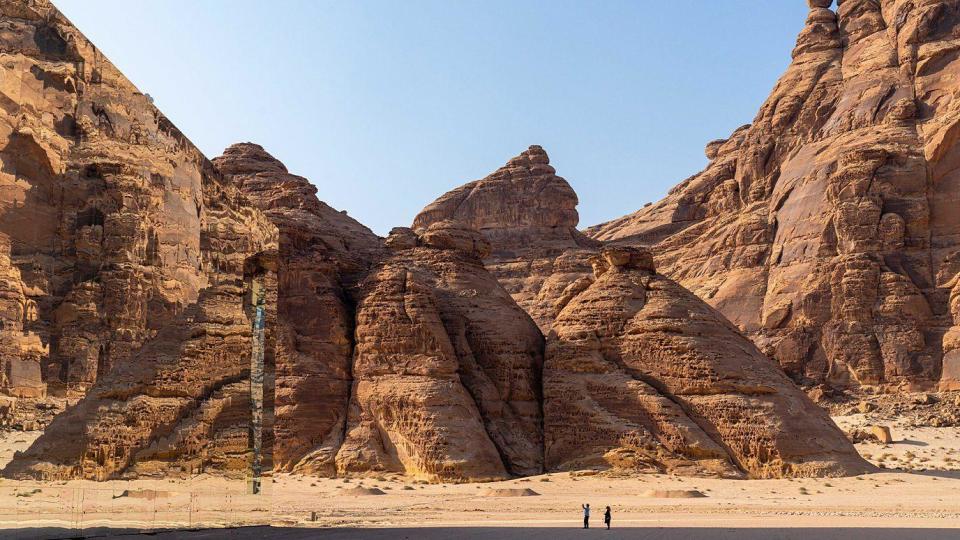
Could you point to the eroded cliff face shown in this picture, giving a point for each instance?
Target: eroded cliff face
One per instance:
(212, 316)
(529, 216)
(130, 266)
(446, 368)
(102, 199)
(21, 352)
(322, 254)
(826, 229)
(640, 374)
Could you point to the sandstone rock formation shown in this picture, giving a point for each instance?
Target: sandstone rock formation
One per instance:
(826, 230)
(136, 265)
(322, 253)
(529, 215)
(219, 317)
(21, 353)
(446, 368)
(643, 375)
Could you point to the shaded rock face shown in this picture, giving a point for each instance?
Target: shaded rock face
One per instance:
(446, 368)
(643, 375)
(128, 266)
(826, 230)
(21, 353)
(529, 216)
(322, 251)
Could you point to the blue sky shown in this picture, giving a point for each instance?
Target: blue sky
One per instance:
(384, 105)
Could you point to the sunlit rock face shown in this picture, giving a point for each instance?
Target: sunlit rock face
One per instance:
(322, 254)
(642, 375)
(529, 216)
(155, 286)
(128, 265)
(446, 367)
(826, 230)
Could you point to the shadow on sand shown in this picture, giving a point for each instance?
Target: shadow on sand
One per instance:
(505, 533)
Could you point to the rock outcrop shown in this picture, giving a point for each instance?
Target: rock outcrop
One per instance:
(446, 368)
(641, 374)
(322, 254)
(219, 317)
(137, 266)
(529, 216)
(826, 229)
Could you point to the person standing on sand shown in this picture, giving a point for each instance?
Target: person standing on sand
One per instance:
(586, 515)
(606, 518)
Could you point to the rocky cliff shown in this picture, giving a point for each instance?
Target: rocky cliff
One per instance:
(529, 216)
(322, 254)
(130, 266)
(219, 317)
(826, 229)
(643, 375)
(447, 366)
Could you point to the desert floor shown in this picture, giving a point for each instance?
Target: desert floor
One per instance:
(922, 502)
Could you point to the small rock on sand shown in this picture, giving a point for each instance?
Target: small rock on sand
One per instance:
(882, 433)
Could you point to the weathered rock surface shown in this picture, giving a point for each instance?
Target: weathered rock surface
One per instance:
(529, 215)
(168, 291)
(21, 353)
(446, 368)
(322, 251)
(135, 265)
(826, 230)
(641, 374)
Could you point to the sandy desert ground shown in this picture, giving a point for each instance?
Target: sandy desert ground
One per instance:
(926, 496)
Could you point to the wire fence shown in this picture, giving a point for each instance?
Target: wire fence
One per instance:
(28, 506)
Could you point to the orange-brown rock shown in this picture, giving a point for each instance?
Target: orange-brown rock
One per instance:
(446, 368)
(321, 253)
(21, 353)
(136, 265)
(826, 229)
(641, 374)
(529, 215)
(166, 292)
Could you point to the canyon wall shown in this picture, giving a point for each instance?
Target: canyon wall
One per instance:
(218, 317)
(825, 230)
(129, 267)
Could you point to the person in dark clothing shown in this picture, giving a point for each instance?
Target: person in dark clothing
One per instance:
(606, 518)
(586, 515)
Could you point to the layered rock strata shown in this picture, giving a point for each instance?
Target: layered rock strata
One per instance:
(641, 374)
(167, 292)
(446, 368)
(135, 265)
(825, 230)
(322, 254)
(21, 352)
(529, 216)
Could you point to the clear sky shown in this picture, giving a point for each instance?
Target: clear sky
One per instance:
(385, 105)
